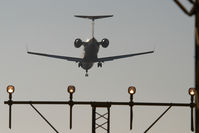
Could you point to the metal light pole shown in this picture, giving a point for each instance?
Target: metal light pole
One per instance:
(10, 90)
(194, 11)
(71, 90)
(192, 92)
(131, 91)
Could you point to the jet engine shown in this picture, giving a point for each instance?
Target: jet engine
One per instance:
(78, 43)
(104, 43)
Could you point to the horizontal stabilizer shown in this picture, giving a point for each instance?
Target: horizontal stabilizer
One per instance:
(93, 17)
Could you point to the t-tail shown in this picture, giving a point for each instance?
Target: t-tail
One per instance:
(93, 19)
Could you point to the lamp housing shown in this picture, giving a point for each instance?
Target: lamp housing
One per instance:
(131, 90)
(192, 91)
(71, 89)
(10, 89)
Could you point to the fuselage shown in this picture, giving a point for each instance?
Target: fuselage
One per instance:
(91, 49)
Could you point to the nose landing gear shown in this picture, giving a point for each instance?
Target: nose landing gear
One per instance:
(86, 75)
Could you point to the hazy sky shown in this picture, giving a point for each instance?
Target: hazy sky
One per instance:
(137, 26)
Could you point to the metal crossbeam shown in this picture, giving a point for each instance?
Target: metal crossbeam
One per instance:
(100, 116)
(44, 118)
(96, 125)
(104, 103)
(157, 119)
(96, 105)
(101, 125)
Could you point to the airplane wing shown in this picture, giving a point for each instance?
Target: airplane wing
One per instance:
(57, 56)
(121, 56)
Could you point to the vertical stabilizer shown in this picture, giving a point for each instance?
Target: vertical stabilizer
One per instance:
(93, 19)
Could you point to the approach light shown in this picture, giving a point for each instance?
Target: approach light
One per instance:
(71, 89)
(10, 89)
(192, 91)
(131, 90)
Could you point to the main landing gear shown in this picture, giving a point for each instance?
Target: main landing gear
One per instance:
(79, 64)
(99, 64)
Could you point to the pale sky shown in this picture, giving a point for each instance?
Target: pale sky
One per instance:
(137, 26)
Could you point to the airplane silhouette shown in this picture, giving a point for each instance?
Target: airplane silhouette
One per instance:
(91, 48)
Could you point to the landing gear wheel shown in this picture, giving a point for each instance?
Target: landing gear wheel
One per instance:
(99, 64)
(79, 64)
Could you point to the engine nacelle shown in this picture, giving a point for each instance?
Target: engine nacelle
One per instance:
(78, 43)
(104, 43)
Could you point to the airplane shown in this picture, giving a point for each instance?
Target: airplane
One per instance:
(91, 48)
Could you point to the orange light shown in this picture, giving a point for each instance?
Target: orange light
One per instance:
(131, 90)
(192, 91)
(10, 89)
(71, 89)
